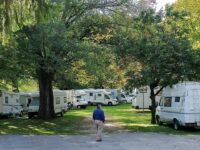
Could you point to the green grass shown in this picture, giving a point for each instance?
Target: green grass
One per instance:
(121, 118)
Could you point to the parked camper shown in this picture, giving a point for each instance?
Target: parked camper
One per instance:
(119, 95)
(100, 96)
(80, 99)
(24, 100)
(142, 99)
(60, 103)
(180, 105)
(9, 104)
(70, 98)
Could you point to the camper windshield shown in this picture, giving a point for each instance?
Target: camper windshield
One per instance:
(35, 101)
(80, 98)
(107, 97)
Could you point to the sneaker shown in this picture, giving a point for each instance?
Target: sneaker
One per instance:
(99, 140)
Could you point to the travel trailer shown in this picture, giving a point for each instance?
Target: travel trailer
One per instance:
(9, 104)
(60, 103)
(24, 100)
(180, 105)
(142, 98)
(100, 96)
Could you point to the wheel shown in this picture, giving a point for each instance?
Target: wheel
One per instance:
(125, 101)
(30, 116)
(176, 124)
(61, 114)
(109, 103)
(158, 121)
(137, 107)
(83, 107)
(21, 114)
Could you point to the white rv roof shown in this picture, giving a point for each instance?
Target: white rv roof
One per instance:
(181, 88)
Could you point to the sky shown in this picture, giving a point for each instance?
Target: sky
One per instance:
(162, 3)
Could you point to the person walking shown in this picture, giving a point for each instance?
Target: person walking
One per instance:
(99, 119)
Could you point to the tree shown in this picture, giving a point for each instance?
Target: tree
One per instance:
(161, 49)
(50, 47)
(193, 19)
(46, 49)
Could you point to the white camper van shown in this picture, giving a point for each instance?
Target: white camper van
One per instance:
(9, 104)
(80, 99)
(142, 98)
(24, 100)
(100, 96)
(60, 103)
(180, 105)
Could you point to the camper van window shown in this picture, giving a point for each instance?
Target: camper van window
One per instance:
(122, 95)
(91, 94)
(177, 99)
(168, 102)
(99, 95)
(57, 100)
(161, 102)
(65, 99)
(107, 97)
(6, 100)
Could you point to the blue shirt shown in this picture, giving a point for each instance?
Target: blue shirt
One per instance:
(98, 114)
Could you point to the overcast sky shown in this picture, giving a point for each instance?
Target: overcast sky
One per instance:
(162, 3)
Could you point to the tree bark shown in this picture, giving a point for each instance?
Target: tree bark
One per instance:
(153, 105)
(46, 109)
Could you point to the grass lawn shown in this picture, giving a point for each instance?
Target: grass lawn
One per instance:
(121, 118)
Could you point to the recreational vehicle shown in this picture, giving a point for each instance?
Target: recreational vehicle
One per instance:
(120, 96)
(142, 98)
(9, 104)
(80, 99)
(60, 103)
(100, 96)
(24, 100)
(180, 105)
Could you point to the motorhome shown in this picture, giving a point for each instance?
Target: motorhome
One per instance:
(80, 99)
(60, 103)
(142, 98)
(100, 96)
(180, 105)
(24, 100)
(9, 104)
(120, 96)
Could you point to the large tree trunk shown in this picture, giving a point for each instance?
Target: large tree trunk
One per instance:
(46, 109)
(153, 105)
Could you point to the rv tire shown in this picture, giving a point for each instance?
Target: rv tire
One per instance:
(109, 103)
(83, 107)
(176, 124)
(61, 114)
(158, 121)
(30, 116)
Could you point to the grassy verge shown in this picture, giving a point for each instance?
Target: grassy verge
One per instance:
(121, 118)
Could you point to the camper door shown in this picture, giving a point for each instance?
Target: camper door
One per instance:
(99, 98)
(166, 110)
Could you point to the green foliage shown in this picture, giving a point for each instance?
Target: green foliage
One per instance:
(193, 19)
